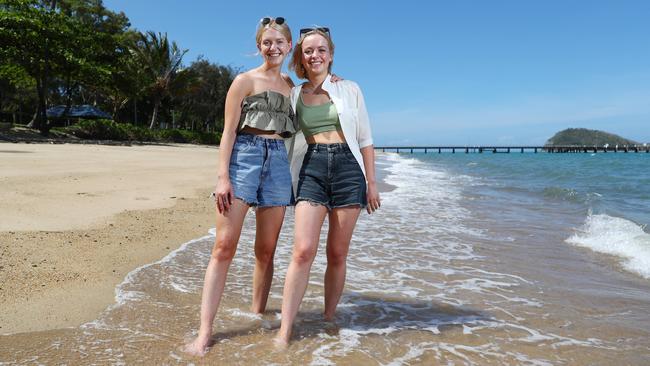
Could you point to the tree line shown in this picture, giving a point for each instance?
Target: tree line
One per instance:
(69, 52)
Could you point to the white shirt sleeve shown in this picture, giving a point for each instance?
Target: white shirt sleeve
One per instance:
(364, 135)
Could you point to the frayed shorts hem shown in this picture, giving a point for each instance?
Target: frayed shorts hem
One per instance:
(326, 205)
(262, 205)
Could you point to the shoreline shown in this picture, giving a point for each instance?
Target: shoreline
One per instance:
(62, 270)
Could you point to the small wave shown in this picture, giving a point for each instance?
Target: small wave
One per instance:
(570, 195)
(124, 295)
(619, 237)
(565, 194)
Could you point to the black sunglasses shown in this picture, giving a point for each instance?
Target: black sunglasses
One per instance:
(266, 21)
(322, 29)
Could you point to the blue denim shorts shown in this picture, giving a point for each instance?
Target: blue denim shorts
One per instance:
(331, 176)
(259, 171)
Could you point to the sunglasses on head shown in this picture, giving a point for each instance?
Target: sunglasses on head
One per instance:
(266, 21)
(321, 29)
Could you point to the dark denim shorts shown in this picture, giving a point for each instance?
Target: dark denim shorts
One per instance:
(259, 171)
(330, 176)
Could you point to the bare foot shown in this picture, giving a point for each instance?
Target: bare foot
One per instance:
(280, 344)
(331, 328)
(199, 347)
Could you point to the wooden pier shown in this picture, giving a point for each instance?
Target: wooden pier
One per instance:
(521, 149)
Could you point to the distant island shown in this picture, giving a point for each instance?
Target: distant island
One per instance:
(586, 137)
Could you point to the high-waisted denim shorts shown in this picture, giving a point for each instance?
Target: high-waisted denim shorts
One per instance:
(259, 171)
(330, 176)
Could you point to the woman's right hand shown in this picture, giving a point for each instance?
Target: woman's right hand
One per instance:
(223, 195)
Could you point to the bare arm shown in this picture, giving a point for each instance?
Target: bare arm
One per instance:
(368, 154)
(238, 90)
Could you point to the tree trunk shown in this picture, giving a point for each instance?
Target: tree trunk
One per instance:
(43, 124)
(41, 86)
(135, 111)
(154, 115)
(40, 117)
(68, 101)
(115, 108)
(32, 123)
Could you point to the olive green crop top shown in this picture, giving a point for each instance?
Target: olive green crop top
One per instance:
(315, 119)
(268, 111)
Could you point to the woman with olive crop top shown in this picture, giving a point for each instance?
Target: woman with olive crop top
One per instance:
(253, 171)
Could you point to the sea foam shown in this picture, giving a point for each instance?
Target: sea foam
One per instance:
(619, 237)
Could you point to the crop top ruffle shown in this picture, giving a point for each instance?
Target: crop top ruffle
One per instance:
(268, 111)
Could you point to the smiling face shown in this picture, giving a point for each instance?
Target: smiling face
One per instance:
(273, 46)
(316, 55)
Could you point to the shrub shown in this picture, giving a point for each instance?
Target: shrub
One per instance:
(137, 133)
(171, 135)
(109, 130)
(209, 138)
(185, 136)
(101, 129)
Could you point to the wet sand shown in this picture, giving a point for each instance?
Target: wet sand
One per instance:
(75, 219)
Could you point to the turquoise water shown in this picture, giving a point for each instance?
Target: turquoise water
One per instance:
(603, 198)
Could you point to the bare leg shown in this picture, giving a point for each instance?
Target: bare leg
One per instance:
(309, 220)
(342, 222)
(269, 223)
(228, 227)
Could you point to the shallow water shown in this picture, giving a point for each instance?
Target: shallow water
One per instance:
(472, 260)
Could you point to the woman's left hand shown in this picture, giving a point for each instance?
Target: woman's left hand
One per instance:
(373, 198)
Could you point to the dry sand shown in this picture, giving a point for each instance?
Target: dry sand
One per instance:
(75, 219)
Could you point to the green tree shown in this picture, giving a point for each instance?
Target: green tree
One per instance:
(162, 63)
(106, 49)
(16, 91)
(43, 41)
(202, 107)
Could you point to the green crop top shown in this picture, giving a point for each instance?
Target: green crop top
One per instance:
(315, 119)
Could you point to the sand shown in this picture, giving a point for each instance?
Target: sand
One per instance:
(75, 219)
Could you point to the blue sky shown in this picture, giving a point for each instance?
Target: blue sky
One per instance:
(451, 72)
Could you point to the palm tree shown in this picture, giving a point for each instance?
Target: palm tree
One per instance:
(162, 66)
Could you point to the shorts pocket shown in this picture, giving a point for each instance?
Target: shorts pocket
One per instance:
(349, 157)
(241, 146)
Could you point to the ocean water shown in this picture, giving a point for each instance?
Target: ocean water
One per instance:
(477, 259)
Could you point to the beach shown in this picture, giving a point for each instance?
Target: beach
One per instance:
(75, 219)
(473, 259)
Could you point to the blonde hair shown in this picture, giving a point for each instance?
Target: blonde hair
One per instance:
(282, 28)
(296, 58)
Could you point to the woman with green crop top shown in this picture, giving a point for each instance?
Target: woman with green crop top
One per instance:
(333, 172)
(315, 119)
(253, 171)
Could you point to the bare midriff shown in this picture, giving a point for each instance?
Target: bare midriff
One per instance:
(328, 137)
(257, 131)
